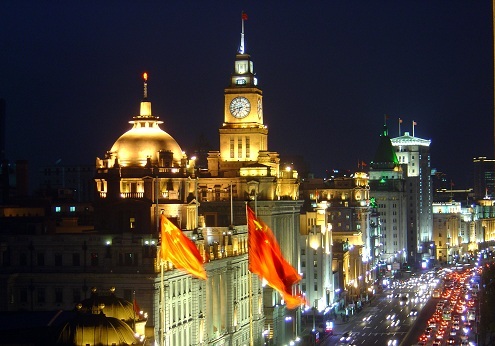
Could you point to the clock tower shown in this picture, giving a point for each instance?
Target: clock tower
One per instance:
(243, 134)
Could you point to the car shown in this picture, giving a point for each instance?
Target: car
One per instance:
(413, 312)
(453, 332)
(451, 341)
(391, 317)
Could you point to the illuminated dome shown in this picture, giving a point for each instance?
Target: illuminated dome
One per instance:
(146, 140)
(109, 304)
(96, 329)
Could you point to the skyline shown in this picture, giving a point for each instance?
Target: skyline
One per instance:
(71, 76)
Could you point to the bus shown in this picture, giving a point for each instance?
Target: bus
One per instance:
(447, 315)
(436, 293)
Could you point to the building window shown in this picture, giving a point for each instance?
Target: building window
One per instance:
(58, 295)
(57, 209)
(76, 260)
(94, 259)
(76, 295)
(41, 259)
(147, 253)
(239, 147)
(231, 147)
(58, 259)
(40, 295)
(23, 295)
(132, 223)
(72, 209)
(248, 147)
(128, 259)
(23, 259)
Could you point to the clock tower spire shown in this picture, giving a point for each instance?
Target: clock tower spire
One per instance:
(243, 133)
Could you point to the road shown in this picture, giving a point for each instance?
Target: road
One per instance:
(401, 315)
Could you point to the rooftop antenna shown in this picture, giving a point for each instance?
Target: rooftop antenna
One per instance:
(243, 18)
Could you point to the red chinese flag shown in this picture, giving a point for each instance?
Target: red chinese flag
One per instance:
(180, 250)
(244, 16)
(137, 310)
(266, 260)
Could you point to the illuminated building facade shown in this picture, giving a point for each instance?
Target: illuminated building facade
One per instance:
(245, 170)
(316, 257)
(414, 153)
(146, 173)
(447, 235)
(387, 188)
(337, 211)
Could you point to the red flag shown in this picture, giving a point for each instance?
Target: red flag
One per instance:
(244, 16)
(363, 164)
(137, 310)
(400, 121)
(414, 123)
(266, 260)
(180, 250)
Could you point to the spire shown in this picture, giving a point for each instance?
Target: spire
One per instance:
(145, 77)
(241, 46)
(145, 110)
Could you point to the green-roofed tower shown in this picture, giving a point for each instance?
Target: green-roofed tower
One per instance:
(385, 154)
(388, 188)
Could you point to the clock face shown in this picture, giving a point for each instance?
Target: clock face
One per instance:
(240, 107)
(260, 109)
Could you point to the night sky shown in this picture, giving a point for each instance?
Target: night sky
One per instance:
(70, 72)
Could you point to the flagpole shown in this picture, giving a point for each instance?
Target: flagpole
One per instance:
(250, 284)
(134, 308)
(241, 48)
(414, 123)
(400, 121)
(162, 294)
(231, 207)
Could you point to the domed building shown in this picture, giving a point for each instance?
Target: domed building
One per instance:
(98, 330)
(113, 306)
(145, 143)
(144, 173)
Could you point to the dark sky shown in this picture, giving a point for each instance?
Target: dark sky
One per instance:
(70, 72)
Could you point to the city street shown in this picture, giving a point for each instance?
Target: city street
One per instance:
(406, 314)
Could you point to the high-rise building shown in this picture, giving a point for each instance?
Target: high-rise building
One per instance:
(483, 177)
(387, 188)
(414, 153)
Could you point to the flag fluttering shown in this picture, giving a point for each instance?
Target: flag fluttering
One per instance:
(266, 260)
(244, 16)
(180, 250)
